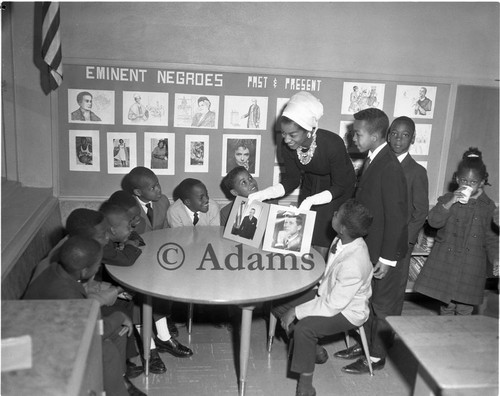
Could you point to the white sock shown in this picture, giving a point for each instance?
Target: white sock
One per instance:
(374, 359)
(139, 329)
(162, 329)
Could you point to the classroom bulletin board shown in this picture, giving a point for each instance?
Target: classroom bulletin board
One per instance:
(200, 123)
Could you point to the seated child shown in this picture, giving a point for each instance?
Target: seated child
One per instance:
(78, 260)
(239, 182)
(339, 303)
(128, 202)
(193, 206)
(144, 185)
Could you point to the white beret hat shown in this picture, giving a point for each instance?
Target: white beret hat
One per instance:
(304, 109)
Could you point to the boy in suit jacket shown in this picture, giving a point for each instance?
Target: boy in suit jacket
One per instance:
(144, 185)
(401, 136)
(339, 303)
(382, 189)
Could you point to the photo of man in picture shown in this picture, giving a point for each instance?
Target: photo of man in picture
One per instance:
(290, 238)
(248, 225)
(84, 113)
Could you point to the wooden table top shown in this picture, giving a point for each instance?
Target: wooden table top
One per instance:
(457, 351)
(215, 270)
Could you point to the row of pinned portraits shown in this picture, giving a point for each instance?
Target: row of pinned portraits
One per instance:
(160, 151)
(240, 112)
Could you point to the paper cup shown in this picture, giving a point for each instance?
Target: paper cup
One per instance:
(466, 192)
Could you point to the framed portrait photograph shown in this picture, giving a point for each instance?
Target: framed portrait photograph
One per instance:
(289, 230)
(358, 96)
(91, 106)
(84, 151)
(196, 111)
(415, 101)
(159, 152)
(145, 108)
(122, 152)
(241, 150)
(247, 223)
(245, 112)
(197, 153)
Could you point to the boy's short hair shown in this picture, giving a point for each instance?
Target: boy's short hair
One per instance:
(111, 211)
(79, 252)
(230, 178)
(135, 177)
(406, 120)
(356, 218)
(124, 199)
(184, 188)
(82, 222)
(377, 120)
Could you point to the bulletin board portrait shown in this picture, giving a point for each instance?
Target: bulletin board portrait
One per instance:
(358, 96)
(122, 152)
(415, 101)
(196, 157)
(241, 150)
(159, 152)
(145, 108)
(196, 111)
(245, 112)
(247, 223)
(289, 230)
(91, 106)
(84, 151)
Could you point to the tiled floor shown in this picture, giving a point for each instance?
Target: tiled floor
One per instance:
(211, 371)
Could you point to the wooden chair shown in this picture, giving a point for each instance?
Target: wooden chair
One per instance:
(361, 331)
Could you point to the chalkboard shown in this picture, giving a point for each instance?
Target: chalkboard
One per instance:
(136, 109)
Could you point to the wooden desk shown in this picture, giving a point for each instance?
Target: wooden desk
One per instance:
(66, 347)
(197, 265)
(457, 355)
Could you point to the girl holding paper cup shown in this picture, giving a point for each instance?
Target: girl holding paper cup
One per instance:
(455, 271)
(315, 159)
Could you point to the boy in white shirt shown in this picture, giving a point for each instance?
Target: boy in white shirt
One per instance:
(339, 303)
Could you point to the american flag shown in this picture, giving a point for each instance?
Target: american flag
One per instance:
(51, 40)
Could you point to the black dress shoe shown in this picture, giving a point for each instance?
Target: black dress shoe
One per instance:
(350, 353)
(173, 347)
(172, 328)
(360, 366)
(133, 370)
(321, 355)
(156, 365)
(131, 388)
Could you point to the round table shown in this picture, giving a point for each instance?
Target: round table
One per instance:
(197, 265)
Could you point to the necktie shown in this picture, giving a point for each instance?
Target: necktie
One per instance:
(366, 165)
(149, 213)
(333, 249)
(195, 218)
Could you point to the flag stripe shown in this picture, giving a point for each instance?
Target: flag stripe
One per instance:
(51, 40)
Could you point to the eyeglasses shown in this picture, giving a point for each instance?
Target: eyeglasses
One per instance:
(472, 183)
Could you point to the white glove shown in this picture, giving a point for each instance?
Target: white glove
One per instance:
(317, 199)
(275, 191)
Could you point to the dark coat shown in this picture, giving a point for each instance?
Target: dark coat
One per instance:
(382, 189)
(330, 169)
(456, 267)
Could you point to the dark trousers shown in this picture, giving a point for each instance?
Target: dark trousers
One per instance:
(387, 299)
(127, 307)
(113, 360)
(306, 332)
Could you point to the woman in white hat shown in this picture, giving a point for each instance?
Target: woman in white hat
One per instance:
(315, 159)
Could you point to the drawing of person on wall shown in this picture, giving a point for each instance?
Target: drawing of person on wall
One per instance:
(354, 106)
(205, 117)
(159, 156)
(120, 154)
(372, 98)
(84, 151)
(138, 112)
(197, 153)
(423, 104)
(253, 115)
(84, 112)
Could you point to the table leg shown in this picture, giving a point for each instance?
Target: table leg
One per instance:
(421, 387)
(190, 318)
(147, 327)
(272, 329)
(246, 329)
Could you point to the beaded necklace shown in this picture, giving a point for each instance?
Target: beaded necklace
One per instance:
(306, 157)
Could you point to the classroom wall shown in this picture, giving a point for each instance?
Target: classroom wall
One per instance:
(422, 41)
